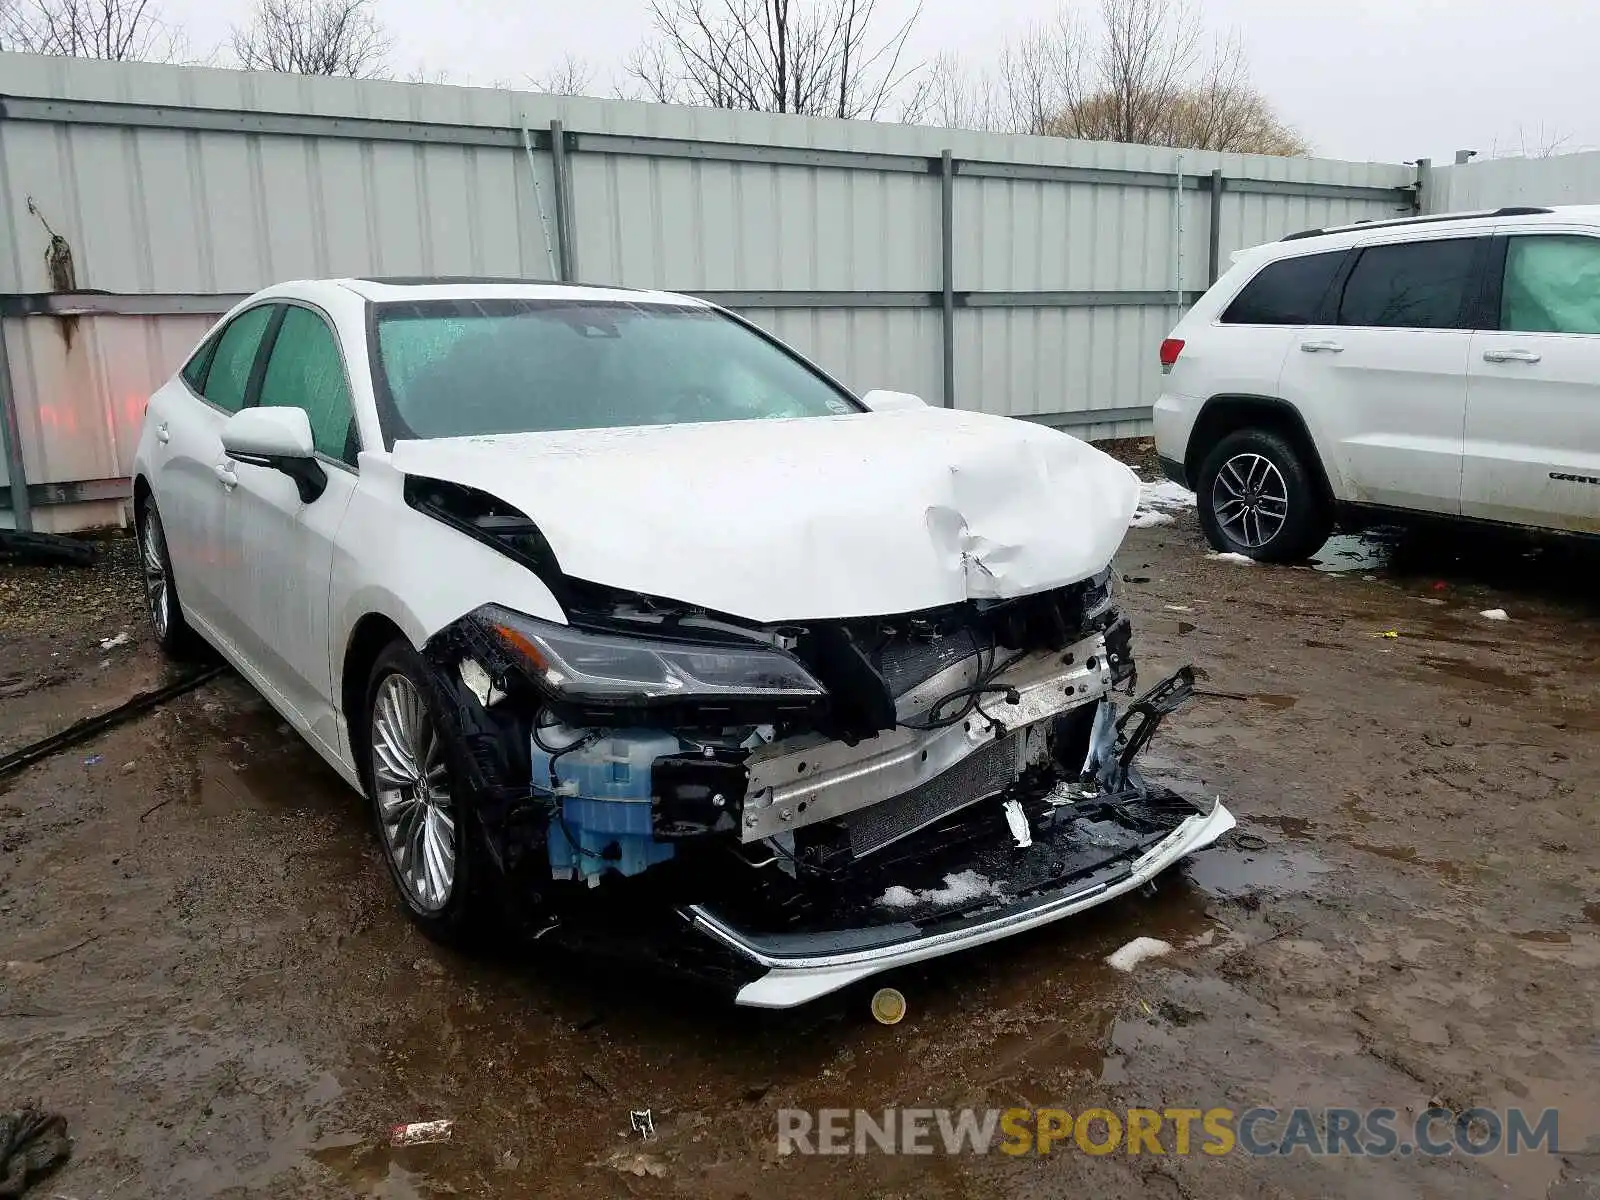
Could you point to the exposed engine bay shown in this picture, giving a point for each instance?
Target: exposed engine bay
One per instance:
(743, 791)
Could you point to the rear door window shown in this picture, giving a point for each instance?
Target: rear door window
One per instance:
(306, 371)
(1411, 285)
(194, 371)
(235, 357)
(1552, 284)
(1286, 292)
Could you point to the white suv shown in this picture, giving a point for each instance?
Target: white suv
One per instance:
(1446, 366)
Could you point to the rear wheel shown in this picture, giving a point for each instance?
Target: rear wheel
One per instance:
(417, 787)
(173, 634)
(1258, 497)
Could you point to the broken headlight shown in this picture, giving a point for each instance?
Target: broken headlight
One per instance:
(590, 668)
(1098, 596)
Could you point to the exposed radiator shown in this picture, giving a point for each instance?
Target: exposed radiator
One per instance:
(907, 661)
(976, 777)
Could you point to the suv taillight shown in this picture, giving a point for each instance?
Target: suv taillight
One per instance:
(1170, 349)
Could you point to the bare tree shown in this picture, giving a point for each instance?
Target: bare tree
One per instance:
(1541, 143)
(1144, 75)
(314, 37)
(959, 99)
(572, 76)
(105, 29)
(815, 57)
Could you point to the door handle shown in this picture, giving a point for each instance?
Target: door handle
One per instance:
(224, 472)
(163, 434)
(1321, 344)
(1522, 356)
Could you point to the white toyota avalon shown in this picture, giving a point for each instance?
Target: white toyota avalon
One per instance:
(641, 633)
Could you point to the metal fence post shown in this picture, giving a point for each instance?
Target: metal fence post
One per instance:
(1423, 166)
(947, 254)
(563, 181)
(1215, 268)
(11, 435)
(1177, 234)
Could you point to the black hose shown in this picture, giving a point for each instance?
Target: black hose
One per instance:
(82, 731)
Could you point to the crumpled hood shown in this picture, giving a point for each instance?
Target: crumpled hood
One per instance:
(867, 514)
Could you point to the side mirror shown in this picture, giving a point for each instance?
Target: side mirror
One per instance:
(278, 438)
(882, 401)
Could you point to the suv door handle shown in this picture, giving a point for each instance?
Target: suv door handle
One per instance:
(1522, 356)
(1313, 347)
(163, 434)
(224, 472)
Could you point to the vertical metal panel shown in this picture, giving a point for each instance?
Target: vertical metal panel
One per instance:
(1496, 183)
(947, 277)
(82, 383)
(21, 515)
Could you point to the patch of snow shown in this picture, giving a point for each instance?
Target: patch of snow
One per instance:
(1158, 502)
(1177, 608)
(1495, 614)
(1238, 560)
(960, 888)
(111, 643)
(1136, 951)
(1149, 518)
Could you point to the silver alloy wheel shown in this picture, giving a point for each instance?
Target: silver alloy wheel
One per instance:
(1250, 500)
(153, 558)
(411, 774)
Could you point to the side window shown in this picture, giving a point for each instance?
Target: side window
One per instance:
(194, 371)
(234, 356)
(306, 371)
(1410, 285)
(1552, 285)
(1286, 292)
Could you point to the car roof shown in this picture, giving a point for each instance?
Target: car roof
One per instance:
(1433, 225)
(413, 288)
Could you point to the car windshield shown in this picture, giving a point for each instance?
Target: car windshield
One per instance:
(451, 368)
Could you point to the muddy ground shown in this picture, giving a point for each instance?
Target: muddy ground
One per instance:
(203, 967)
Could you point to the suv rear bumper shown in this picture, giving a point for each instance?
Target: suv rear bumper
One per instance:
(1174, 470)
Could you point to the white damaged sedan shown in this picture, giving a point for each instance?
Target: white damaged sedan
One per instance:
(635, 627)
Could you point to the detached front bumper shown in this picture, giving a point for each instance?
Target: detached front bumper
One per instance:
(796, 968)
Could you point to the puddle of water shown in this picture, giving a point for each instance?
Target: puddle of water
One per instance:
(1366, 551)
(1552, 937)
(1297, 829)
(1499, 677)
(1272, 700)
(1409, 855)
(368, 1169)
(1230, 872)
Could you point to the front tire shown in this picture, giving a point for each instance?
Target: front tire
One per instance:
(416, 786)
(1258, 497)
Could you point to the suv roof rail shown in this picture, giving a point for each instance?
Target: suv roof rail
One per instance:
(1514, 210)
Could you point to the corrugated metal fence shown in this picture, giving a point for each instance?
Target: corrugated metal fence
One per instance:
(1497, 182)
(1027, 276)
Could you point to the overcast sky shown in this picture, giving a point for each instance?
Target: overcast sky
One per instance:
(1385, 80)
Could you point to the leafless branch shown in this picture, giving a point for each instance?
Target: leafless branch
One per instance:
(814, 57)
(106, 29)
(572, 76)
(1142, 75)
(314, 37)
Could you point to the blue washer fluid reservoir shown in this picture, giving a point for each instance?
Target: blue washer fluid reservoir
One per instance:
(604, 791)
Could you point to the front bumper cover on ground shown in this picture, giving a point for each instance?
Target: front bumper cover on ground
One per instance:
(797, 968)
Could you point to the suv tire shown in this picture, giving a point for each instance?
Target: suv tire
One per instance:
(1258, 497)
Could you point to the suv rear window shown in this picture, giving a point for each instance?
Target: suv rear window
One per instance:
(1410, 285)
(1286, 292)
